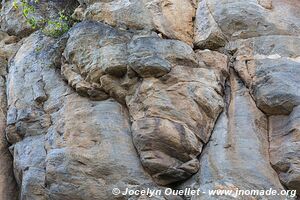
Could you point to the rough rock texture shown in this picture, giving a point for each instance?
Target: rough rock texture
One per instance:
(150, 94)
(160, 15)
(284, 136)
(168, 131)
(97, 55)
(270, 66)
(94, 156)
(172, 118)
(264, 45)
(29, 113)
(220, 21)
(13, 21)
(237, 155)
(54, 156)
(8, 186)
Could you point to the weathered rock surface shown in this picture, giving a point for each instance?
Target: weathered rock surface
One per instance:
(65, 146)
(8, 186)
(13, 21)
(162, 122)
(237, 156)
(220, 21)
(285, 149)
(160, 15)
(32, 81)
(88, 158)
(8, 47)
(215, 61)
(122, 100)
(172, 119)
(95, 49)
(270, 66)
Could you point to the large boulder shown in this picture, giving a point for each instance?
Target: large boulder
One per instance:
(270, 67)
(172, 117)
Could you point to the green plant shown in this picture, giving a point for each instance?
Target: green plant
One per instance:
(51, 27)
(39, 48)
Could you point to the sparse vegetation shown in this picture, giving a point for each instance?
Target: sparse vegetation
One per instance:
(51, 27)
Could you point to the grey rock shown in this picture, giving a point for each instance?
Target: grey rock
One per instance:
(114, 59)
(8, 186)
(38, 92)
(236, 156)
(86, 148)
(9, 45)
(29, 167)
(88, 160)
(220, 21)
(28, 120)
(124, 101)
(172, 119)
(160, 15)
(95, 49)
(269, 65)
(151, 56)
(208, 34)
(277, 88)
(14, 23)
(29, 117)
(169, 69)
(284, 148)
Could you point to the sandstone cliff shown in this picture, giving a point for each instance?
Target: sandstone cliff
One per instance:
(149, 94)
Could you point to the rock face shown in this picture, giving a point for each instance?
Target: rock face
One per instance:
(8, 186)
(50, 148)
(172, 119)
(151, 94)
(168, 131)
(269, 65)
(101, 155)
(237, 155)
(160, 15)
(30, 106)
(97, 54)
(220, 21)
(284, 147)
(13, 21)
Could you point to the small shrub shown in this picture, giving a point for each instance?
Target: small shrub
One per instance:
(50, 27)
